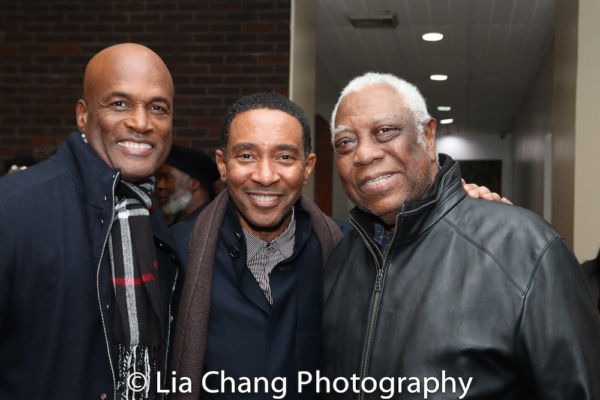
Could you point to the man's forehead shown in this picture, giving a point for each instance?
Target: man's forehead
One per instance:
(396, 117)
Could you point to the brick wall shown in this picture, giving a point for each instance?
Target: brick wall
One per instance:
(216, 51)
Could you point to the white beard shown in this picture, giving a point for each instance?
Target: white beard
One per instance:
(177, 202)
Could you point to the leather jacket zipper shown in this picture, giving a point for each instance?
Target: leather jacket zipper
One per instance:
(112, 217)
(376, 299)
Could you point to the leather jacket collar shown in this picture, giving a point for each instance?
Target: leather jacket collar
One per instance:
(420, 214)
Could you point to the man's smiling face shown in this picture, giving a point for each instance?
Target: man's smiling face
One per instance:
(265, 169)
(126, 112)
(380, 159)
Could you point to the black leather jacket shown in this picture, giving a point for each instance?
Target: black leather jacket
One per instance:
(468, 289)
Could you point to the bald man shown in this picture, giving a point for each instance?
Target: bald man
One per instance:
(87, 267)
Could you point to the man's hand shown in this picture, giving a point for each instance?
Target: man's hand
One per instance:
(481, 192)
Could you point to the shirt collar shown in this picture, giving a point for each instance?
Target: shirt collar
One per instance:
(282, 242)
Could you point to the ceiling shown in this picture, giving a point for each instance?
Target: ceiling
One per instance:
(491, 51)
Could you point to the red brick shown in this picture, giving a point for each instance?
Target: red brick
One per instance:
(240, 80)
(163, 6)
(241, 37)
(192, 48)
(244, 17)
(207, 80)
(176, 17)
(273, 59)
(257, 69)
(208, 59)
(159, 28)
(143, 38)
(192, 69)
(7, 49)
(68, 91)
(13, 141)
(257, 48)
(240, 59)
(47, 141)
(220, 90)
(210, 17)
(226, 27)
(259, 27)
(209, 37)
(226, 5)
(64, 49)
(208, 101)
(206, 122)
(259, 5)
(224, 69)
(34, 7)
(15, 120)
(186, 132)
(132, 7)
(224, 48)
(180, 101)
(65, 7)
(109, 18)
(129, 28)
(89, 7)
(138, 17)
(193, 27)
(274, 16)
(194, 6)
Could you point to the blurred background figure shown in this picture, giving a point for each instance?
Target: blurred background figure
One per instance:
(185, 184)
(19, 163)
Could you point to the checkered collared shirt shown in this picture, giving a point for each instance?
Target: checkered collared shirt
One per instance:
(262, 256)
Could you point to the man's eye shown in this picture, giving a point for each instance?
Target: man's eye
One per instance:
(158, 108)
(119, 104)
(342, 142)
(287, 157)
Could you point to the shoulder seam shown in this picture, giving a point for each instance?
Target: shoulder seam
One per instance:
(489, 253)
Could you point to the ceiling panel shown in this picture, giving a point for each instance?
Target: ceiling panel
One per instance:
(491, 50)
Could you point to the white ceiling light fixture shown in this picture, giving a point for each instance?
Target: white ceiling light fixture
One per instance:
(379, 19)
(438, 77)
(444, 108)
(447, 121)
(432, 37)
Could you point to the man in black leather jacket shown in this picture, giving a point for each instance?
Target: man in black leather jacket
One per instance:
(435, 295)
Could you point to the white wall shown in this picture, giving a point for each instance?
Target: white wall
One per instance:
(481, 147)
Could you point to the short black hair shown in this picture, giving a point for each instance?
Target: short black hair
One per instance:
(271, 101)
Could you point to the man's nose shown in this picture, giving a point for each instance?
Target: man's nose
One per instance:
(265, 172)
(138, 121)
(367, 151)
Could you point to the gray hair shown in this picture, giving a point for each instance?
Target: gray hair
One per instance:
(412, 96)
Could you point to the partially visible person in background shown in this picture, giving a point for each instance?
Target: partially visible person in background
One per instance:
(185, 184)
(19, 163)
(591, 268)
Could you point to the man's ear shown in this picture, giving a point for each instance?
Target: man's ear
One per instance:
(310, 165)
(193, 184)
(430, 129)
(81, 112)
(221, 164)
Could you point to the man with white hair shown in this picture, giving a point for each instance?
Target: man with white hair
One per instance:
(185, 184)
(435, 293)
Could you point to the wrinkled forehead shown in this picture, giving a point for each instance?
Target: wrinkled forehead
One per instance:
(374, 100)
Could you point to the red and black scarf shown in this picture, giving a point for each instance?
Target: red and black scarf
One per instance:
(137, 323)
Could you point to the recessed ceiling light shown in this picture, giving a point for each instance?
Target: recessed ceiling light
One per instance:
(433, 37)
(447, 121)
(444, 108)
(438, 77)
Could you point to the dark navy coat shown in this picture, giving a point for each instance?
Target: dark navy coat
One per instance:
(55, 317)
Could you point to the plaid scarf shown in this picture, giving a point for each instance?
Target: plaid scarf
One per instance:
(137, 323)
